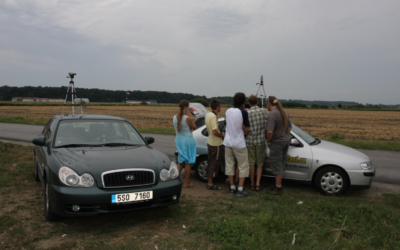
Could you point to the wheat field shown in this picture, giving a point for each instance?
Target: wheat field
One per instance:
(354, 125)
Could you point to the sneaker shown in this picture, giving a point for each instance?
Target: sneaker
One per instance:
(233, 192)
(243, 193)
(275, 191)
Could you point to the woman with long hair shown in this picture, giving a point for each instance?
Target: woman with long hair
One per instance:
(278, 136)
(184, 141)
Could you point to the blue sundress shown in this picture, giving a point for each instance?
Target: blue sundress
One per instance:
(184, 142)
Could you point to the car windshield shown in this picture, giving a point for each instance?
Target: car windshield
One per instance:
(86, 133)
(303, 135)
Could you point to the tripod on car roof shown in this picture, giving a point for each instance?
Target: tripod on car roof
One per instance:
(71, 87)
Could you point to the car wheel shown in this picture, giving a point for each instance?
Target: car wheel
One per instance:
(331, 181)
(48, 213)
(200, 168)
(36, 170)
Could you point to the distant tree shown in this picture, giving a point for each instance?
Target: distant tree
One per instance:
(315, 106)
(293, 105)
(339, 105)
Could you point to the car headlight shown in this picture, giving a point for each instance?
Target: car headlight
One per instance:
(70, 178)
(366, 165)
(170, 174)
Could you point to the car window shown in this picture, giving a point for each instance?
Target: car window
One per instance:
(303, 135)
(46, 132)
(200, 121)
(221, 127)
(205, 132)
(96, 132)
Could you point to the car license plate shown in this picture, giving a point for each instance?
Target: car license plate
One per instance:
(132, 197)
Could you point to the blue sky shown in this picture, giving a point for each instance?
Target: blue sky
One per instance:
(338, 50)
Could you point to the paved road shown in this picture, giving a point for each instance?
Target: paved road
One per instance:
(387, 163)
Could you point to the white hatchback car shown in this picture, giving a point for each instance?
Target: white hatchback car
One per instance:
(331, 167)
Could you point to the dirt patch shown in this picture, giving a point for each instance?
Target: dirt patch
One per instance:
(377, 189)
(52, 242)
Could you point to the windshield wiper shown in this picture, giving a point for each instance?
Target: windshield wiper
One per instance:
(78, 145)
(316, 141)
(116, 144)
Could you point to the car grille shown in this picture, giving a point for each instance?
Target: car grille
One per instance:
(128, 178)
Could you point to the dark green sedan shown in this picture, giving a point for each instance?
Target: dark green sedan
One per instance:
(96, 164)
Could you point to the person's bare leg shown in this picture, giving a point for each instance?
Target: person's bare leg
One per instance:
(210, 181)
(241, 181)
(259, 173)
(278, 180)
(231, 182)
(181, 166)
(252, 172)
(236, 173)
(188, 168)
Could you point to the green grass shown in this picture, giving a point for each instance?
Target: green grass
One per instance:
(272, 222)
(351, 221)
(21, 120)
(372, 145)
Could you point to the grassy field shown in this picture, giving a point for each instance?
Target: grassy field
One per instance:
(349, 124)
(379, 130)
(355, 220)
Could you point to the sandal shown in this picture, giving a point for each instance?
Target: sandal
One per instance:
(258, 188)
(252, 187)
(213, 187)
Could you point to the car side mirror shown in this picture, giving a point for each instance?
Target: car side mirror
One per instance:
(294, 142)
(149, 140)
(39, 141)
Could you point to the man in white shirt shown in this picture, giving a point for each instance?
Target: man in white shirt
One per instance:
(237, 126)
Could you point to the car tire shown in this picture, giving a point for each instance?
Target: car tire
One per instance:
(48, 213)
(200, 168)
(36, 171)
(332, 181)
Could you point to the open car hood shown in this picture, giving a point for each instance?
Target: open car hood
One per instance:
(199, 112)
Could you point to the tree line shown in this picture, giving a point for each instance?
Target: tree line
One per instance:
(94, 95)
(103, 95)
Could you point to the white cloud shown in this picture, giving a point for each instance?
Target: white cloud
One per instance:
(305, 49)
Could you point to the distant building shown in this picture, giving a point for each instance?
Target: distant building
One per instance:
(56, 100)
(24, 99)
(35, 99)
(138, 102)
(41, 99)
(79, 100)
(133, 101)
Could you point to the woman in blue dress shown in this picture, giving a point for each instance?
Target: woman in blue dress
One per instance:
(184, 141)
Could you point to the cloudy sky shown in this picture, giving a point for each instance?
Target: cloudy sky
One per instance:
(338, 50)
